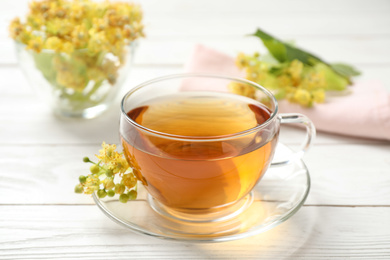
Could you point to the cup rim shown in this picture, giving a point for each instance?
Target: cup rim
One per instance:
(200, 138)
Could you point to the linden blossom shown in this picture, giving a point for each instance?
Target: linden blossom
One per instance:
(102, 176)
(293, 82)
(291, 73)
(65, 26)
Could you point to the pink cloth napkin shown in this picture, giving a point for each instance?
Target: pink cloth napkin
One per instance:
(363, 113)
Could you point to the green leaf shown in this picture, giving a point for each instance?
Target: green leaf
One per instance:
(274, 46)
(345, 69)
(285, 52)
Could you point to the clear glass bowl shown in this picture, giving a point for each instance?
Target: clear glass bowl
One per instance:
(78, 84)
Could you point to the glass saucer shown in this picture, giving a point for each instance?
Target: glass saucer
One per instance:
(280, 193)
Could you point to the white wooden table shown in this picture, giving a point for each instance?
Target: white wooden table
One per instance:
(347, 214)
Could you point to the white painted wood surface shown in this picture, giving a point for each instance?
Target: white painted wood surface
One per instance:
(347, 214)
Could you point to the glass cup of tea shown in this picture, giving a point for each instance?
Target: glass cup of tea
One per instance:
(200, 143)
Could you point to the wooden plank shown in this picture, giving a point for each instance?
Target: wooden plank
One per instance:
(219, 7)
(28, 121)
(82, 232)
(245, 6)
(349, 174)
(287, 24)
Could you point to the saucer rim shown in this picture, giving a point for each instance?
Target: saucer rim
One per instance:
(248, 233)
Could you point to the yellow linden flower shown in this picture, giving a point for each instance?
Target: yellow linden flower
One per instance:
(99, 24)
(295, 70)
(78, 11)
(70, 79)
(294, 81)
(119, 22)
(38, 7)
(108, 183)
(319, 96)
(97, 42)
(104, 176)
(254, 73)
(135, 167)
(108, 153)
(80, 36)
(119, 188)
(35, 44)
(241, 60)
(303, 97)
(114, 35)
(36, 22)
(15, 28)
(92, 184)
(95, 74)
(92, 180)
(67, 47)
(129, 180)
(118, 164)
(284, 80)
(53, 43)
(314, 80)
(90, 189)
(242, 89)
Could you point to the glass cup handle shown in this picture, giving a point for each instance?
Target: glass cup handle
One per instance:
(295, 118)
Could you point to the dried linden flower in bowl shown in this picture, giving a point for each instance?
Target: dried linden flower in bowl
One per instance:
(76, 53)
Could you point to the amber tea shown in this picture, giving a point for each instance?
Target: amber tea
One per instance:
(183, 172)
